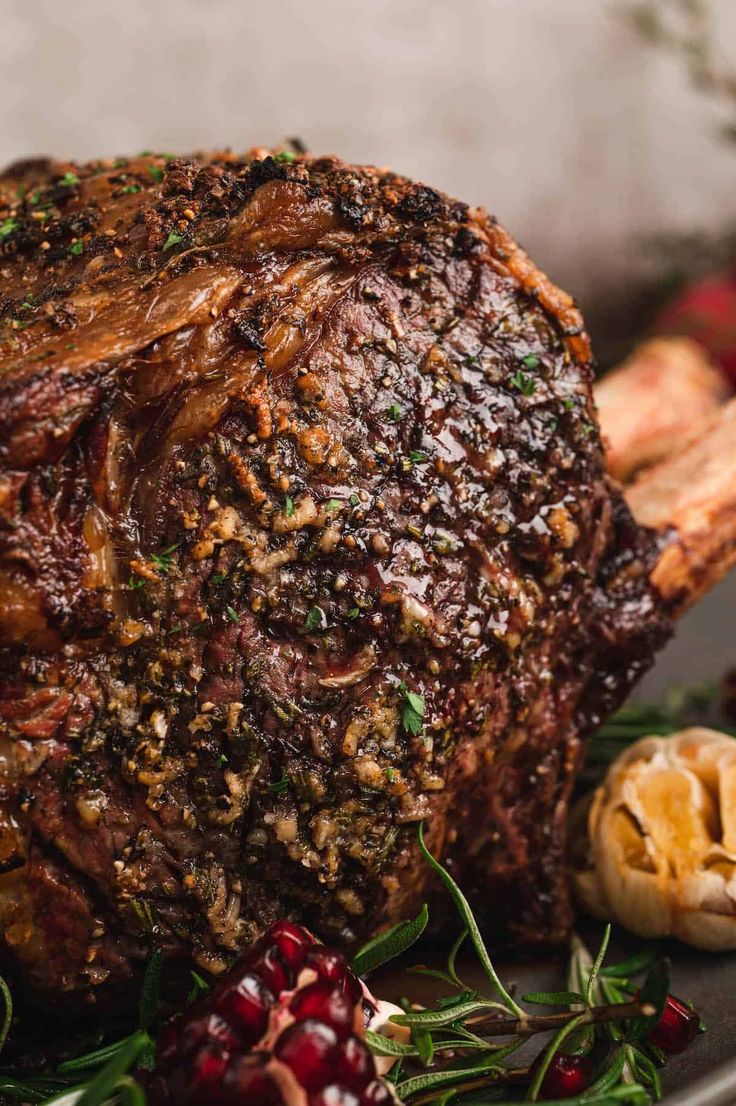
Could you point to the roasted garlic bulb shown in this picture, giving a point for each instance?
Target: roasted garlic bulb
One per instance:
(654, 848)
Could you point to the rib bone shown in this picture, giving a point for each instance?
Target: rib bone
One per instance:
(655, 401)
(691, 498)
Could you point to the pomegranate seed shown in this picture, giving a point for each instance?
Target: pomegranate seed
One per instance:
(565, 1077)
(326, 1002)
(330, 964)
(201, 1079)
(246, 1080)
(246, 1003)
(677, 1028)
(309, 1048)
(355, 1066)
(334, 1095)
(291, 940)
(268, 963)
(377, 1094)
(327, 963)
(178, 1041)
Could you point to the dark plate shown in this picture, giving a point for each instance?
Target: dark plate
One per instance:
(704, 1075)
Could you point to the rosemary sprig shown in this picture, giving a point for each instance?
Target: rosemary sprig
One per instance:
(388, 945)
(457, 1049)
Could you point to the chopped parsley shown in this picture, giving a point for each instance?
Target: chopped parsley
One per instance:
(277, 787)
(156, 173)
(354, 501)
(285, 155)
(131, 189)
(162, 561)
(418, 456)
(7, 227)
(288, 506)
(530, 361)
(134, 583)
(525, 384)
(412, 712)
(232, 614)
(390, 775)
(69, 180)
(333, 504)
(315, 619)
(76, 248)
(222, 760)
(218, 577)
(353, 612)
(394, 412)
(569, 404)
(173, 240)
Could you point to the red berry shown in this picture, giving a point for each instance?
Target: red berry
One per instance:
(246, 1003)
(268, 963)
(291, 940)
(309, 1048)
(377, 1094)
(247, 1081)
(325, 1001)
(334, 1095)
(565, 1077)
(355, 1066)
(677, 1028)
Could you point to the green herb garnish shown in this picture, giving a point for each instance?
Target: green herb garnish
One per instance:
(279, 786)
(316, 619)
(69, 180)
(412, 712)
(76, 248)
(526, 384)
(288, 506)
(173, 240)
(162, 561)
(7, 227)
(232, 614)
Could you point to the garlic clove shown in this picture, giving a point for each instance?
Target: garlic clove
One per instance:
(653, 848)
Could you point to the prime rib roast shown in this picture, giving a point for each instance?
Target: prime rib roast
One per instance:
(305, 537)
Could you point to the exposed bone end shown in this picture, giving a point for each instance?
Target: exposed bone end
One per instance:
(655, 401)
(693, 495)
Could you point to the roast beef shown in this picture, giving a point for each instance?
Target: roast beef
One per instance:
(305, 536)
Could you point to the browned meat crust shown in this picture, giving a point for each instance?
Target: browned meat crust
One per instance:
(285, 444)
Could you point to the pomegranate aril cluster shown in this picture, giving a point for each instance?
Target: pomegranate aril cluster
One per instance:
(285, 1026)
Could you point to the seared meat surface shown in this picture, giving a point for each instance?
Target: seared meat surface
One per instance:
(305, 536)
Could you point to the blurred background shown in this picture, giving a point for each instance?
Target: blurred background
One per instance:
(602, 133)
